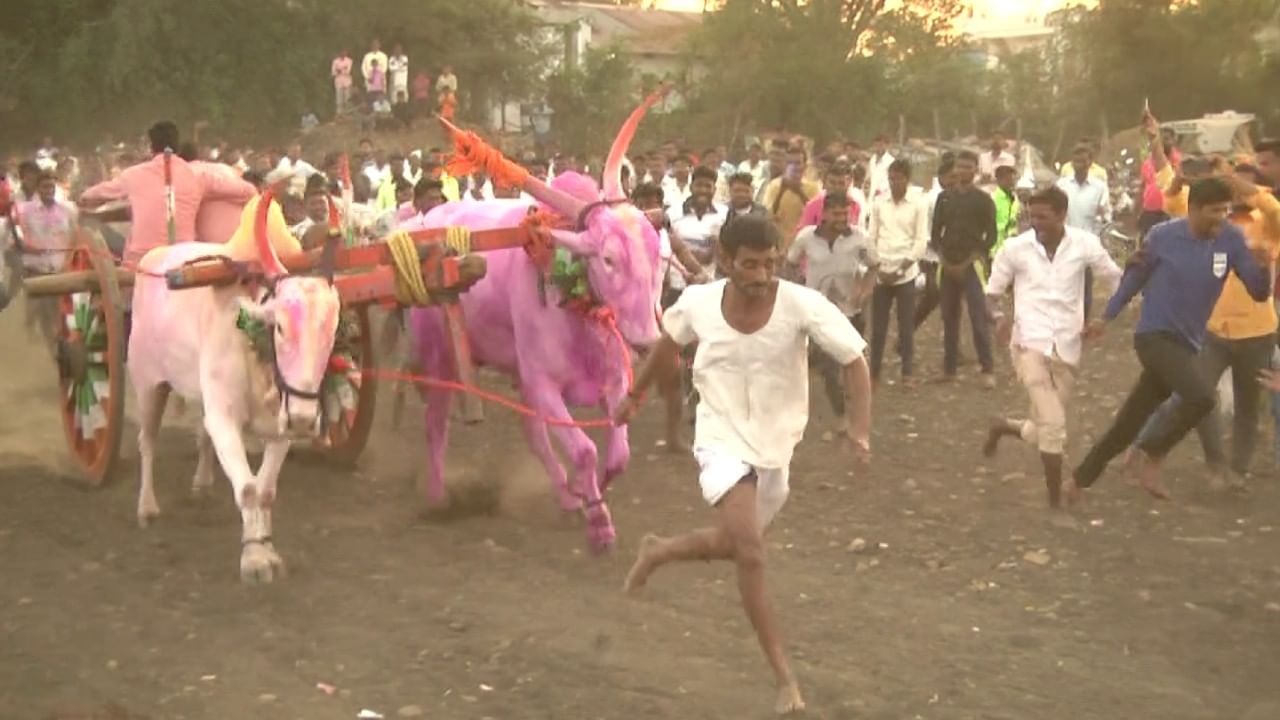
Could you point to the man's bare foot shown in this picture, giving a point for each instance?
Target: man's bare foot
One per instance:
(1132, 464)
(639, 573)
(988, 381)
(789, 700)
(1149, 478)
(1217, 483)
(1072, 494)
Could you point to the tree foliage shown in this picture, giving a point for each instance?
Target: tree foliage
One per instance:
(84, 68)
(590, 100)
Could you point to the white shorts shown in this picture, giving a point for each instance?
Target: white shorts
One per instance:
(722, 472)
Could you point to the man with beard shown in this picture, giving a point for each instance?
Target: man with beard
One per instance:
(1180, 271)
(753, 332)
(1045, 268)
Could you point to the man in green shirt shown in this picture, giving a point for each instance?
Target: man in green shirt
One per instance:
(1008, 209)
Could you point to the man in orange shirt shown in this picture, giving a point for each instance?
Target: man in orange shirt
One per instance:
(143, 185)
(1241, 331)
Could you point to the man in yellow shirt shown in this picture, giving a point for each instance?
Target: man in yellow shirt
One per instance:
(786, 196)
(1241, 330)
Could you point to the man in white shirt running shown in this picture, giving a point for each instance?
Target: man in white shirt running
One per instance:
(1045, 266)
(752, 331)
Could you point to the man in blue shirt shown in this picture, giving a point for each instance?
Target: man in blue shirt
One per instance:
(1180, 270)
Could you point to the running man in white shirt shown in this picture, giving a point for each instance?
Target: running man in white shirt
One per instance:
(1045, 266)
(751, 369)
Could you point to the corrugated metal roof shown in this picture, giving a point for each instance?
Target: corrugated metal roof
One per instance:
(641, 31)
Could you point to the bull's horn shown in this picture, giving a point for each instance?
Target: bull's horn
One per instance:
(266, 254)
(613, 165)
(471, 154)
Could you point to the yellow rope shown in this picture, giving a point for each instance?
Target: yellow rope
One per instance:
(411, 288)
(458, 238)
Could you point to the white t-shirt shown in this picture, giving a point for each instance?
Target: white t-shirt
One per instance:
(700, 234)
(754, 389)
(398, 67)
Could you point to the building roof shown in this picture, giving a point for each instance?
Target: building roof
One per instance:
(987, 28)
(636, 30)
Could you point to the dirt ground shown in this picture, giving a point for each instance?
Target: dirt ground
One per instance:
(969, 602)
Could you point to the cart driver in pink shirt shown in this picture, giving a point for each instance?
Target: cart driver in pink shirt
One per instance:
(143, 185)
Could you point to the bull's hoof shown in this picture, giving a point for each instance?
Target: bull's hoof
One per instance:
(571, 504)
(601, 546)
(600, 531)
(147, 516)
(260, 564)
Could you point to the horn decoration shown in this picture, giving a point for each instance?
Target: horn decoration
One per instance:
(471, 154)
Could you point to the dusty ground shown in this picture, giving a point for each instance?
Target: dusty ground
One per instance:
(971, 604)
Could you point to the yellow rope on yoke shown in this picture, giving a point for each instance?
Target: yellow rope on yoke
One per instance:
(458, 238)
(411, 288)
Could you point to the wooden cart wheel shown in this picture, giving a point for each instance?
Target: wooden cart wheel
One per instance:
(349, 400)
(90, 356)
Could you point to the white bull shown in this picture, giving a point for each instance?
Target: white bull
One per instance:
(260, 378)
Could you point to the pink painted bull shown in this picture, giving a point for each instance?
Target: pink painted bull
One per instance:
(255, 363)
(559, 356)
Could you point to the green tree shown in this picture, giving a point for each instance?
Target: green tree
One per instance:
(83, 68)
(590, 100)
(819, 67)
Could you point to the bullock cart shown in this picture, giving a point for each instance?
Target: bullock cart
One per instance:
(418, 267)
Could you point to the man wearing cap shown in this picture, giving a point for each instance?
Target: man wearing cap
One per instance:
(144, 186)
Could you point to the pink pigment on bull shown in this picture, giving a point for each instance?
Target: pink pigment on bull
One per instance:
(560, 357)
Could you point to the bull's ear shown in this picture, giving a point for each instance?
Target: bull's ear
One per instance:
(577, 243)
(262, 312)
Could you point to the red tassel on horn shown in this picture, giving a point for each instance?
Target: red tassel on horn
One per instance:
(471, 154)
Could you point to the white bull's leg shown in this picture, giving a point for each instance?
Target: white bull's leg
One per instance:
(202, 484)
(151, 400)
(268, 475)
(257, 562)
